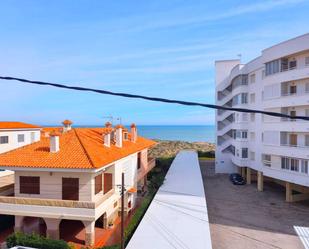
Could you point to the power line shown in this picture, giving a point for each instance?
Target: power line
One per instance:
(156, 99)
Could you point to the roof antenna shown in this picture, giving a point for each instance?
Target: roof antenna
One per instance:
(120, 120)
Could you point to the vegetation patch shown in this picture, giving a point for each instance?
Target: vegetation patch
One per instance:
(36, 241)
(168, 149)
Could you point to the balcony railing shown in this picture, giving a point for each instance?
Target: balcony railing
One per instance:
(294, 145)
(55, 202)
(46, 202)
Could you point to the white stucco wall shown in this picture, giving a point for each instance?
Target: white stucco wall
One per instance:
(29, 135)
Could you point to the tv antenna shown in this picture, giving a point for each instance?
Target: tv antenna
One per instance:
(119, 119)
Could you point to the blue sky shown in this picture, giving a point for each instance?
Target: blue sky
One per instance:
(156, 48)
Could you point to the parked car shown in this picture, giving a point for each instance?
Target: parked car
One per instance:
(237, 179)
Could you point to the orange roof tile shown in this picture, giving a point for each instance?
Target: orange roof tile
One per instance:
(16, 125)
(54, 133)
(80, 148)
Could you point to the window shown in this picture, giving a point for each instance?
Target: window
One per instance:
(252, 78)
(306, 140)
(108, 182)
(98, 184)
(252, 98)
(304, 166)
(244, 152)
(70, 189)
(293, 140)
(29, 185)
(293, 89)
(272, 67)
(252, 155)
(285, 163)
(252, 136)
(292, 64)
(139, 160)
(293, 114)
(32, 134)
(252, 117)
(307, 87)
(241, 134)
(21, 138)
(4, 139)
(294, 164)
(266, 159)
(284, 64)
(125, 136)
(307, 61)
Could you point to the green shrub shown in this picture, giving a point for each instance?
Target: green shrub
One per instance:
(36, 241)
(111, 247)
(137, 217)
(208, 154)
(156, 178)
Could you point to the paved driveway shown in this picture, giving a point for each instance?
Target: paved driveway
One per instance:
(241, 217)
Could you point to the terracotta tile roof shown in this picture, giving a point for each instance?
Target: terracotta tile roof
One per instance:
(81, 148)
(16, 125)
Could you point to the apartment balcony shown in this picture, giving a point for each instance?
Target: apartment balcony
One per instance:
(286, 150)
(240, 162)
(296, 73)
(289, 99)
(145, 168)
(55, 208)
(279, 124)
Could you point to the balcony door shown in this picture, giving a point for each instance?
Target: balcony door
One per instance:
(293, 114)
(293, 139)
(70, 189)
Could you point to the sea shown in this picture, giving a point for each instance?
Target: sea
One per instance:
(188, 133)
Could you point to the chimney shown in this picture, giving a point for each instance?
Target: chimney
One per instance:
(119, 136)
(54, 141)
(133, 133)
(107, 138)
(108, 125)
(67, 125)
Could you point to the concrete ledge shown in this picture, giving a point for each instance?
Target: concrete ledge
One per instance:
(177, 216)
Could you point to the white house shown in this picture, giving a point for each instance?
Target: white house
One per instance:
(16, 134)
(74, 174)
(272, 147)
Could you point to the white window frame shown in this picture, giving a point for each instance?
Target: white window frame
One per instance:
(4, 139)
(19, 136)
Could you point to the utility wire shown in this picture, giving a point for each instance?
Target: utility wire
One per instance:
(156, 99)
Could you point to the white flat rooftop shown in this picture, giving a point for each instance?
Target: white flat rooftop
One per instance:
(177, 216)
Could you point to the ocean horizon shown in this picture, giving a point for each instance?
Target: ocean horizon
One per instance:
(188, 133)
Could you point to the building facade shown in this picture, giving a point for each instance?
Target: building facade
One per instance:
(14, 135)
(75, 175)
(272, 147)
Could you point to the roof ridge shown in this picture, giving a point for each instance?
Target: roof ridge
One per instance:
(84, 149)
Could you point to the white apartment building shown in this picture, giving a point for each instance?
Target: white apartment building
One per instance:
(274, 148)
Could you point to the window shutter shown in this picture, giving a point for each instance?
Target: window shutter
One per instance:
(98, 184)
